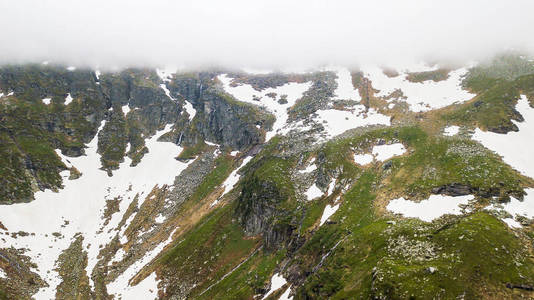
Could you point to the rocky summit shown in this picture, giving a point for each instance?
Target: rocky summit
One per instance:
(372, 182)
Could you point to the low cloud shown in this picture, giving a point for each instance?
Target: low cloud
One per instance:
(259, 34)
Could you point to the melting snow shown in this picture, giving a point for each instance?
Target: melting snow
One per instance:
(515, 207)
(160, 218)
(422, 96)
(47, 100)
(277, 281)
(338, 121)
(81, 202)
(71, 68)
(312, 167)
(146, 289)
(125, 109)
(345, 90)
(3, 274)
(246, 93)
(451, 130)
(329, 210)
(166, 90)
(285, 295)
(363, 159)
(512, 223)
(313, 192)
(119, 255)
(166, 74)
(331, 187)
(191, 111)
(232, 179)
(68, 99)
(428, 210)
(514, 147)
(385, 152)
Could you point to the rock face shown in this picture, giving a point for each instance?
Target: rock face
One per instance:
(259, 213)
(267, 205)
(453, 189)
(132, 103)
(220, 118)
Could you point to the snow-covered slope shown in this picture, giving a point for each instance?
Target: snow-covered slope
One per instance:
(421, 96)
(79, 207)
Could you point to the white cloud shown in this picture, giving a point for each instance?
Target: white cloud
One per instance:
(263, 33)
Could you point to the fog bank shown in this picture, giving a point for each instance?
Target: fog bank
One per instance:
(259, 34)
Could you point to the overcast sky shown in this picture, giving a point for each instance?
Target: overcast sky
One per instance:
(259, 34)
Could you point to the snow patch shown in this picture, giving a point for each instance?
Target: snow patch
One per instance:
(517, 208)
(421, 96)
(46, 100)
(514, 147)
(277, 281)
(329, 210)
(451, 130)
(331, 187)
(313, 192)
(246, 93)
(363, 159)
(191, 111)
(71, 68)
(160, 218)
(166, 90)
(118, 257)
(385, 152)
(512, 223)
(312, 167)
(285, 295)
(68, 99)
(430, 209)
(336, 121)
(125, 109)
(166, 73)
(211, 144)
(345, 89)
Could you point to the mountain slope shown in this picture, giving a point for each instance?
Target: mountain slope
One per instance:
(371, 183)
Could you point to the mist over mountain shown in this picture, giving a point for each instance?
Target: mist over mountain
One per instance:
(260, 34)
(266, 150)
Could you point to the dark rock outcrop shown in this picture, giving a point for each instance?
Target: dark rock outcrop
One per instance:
(259, 213)
(453, 189)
